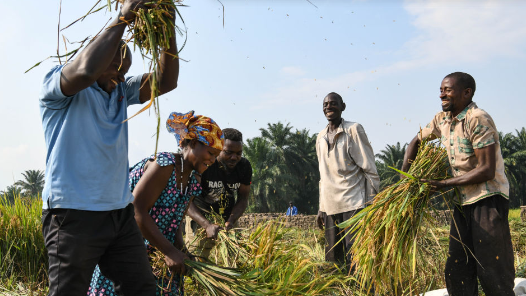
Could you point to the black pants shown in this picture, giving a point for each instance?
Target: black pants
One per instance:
(487, 252)
(78, 240)
(334, 252)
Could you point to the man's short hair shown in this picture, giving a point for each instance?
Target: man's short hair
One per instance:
(336, 95)
(464, 80)
(233, 134)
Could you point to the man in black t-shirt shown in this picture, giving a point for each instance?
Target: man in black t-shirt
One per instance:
(230, 169)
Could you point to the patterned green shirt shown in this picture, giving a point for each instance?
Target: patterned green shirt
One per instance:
(473, 128)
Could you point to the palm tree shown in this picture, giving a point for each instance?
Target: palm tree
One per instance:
(302, 163)
(391, 156)
(11, 193)
(257, 151)
(33, 183)
(508, 146)
(278, 134)
(520, 156)
(513, 150)
(285, 169)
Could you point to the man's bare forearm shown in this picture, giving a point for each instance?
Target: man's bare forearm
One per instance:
(197, 216)
(410, 153)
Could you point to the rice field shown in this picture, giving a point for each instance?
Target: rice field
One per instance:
(291, 259)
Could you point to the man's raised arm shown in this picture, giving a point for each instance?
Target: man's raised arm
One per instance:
(93, 61)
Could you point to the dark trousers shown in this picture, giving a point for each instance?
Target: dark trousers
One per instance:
(484, 250)
(334, 251)
(78, 240)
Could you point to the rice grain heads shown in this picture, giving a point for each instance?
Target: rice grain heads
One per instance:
(391, 235)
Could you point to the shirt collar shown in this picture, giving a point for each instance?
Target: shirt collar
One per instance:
(462, 114)
(338, 130)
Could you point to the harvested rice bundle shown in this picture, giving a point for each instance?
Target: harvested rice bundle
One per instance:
(388, 233)
(213, 279)
(151, 32)
(231, 247)
(286, 267)
(222, 281)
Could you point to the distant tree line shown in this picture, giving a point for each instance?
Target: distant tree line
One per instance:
(31, 186)
(285, 168)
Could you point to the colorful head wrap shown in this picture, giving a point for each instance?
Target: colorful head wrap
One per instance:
(190, 126)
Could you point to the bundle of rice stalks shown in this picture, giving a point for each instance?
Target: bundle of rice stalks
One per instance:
(392, 234)
(210, 278)
(231, 247)
(222, 281)
(286, 267)
(151, 32)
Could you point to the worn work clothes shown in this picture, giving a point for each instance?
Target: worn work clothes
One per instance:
(473, 128)
(334, 251)
(292, 211)
(483, 229)
(77, 240)
(87, 145)
(348, 176)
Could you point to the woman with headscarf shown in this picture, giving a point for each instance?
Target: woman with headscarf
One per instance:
(163, 186)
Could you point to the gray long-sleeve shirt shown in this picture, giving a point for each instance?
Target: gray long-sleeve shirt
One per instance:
(348, 176)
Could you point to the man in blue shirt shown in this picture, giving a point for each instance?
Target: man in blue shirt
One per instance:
(291, 210)
(88, 218)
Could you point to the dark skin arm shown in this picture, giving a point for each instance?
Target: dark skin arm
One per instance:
(167, 73)
(97, 56)
(410, 153)
(240, 206)
(484, 171)
(146, 193)
(211, 229)
(319, 220)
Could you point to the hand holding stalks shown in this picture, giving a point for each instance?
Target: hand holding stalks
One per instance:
(212, 230)
(435, 184)
(130, 7)
(175, 261)
(319, 220)
(228, 226)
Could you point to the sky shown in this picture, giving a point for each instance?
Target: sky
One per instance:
(275, 60)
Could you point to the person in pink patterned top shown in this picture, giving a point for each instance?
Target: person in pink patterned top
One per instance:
(163, 186)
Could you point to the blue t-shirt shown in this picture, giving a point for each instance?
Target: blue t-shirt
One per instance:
(87, 145)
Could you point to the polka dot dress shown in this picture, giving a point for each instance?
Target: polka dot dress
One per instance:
(167, 212)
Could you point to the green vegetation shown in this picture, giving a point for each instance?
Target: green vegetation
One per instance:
(22, 254)
(31, 186)
(285, 168)
(288, 256)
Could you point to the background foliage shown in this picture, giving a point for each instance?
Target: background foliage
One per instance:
(285, 168)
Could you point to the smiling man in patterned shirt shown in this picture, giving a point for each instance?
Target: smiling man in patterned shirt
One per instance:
(481, 216)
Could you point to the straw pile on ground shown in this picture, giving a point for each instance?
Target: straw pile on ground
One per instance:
(270, 261)
(394, 232)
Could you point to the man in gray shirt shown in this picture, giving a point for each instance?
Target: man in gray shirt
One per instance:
(348, 176)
